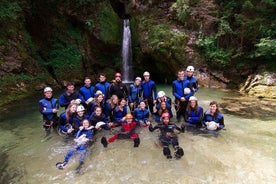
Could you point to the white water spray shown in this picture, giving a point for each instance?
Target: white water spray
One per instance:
(127, 54)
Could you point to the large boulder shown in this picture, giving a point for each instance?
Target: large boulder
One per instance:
(260, 85)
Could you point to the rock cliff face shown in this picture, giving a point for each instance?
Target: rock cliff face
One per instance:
(51, 42)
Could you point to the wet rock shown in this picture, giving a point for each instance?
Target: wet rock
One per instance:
(260, 85)
(249, 107)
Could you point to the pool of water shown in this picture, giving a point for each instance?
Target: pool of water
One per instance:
(244, 152)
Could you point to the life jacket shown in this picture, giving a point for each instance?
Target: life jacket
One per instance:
(149, 89)
(103, 87)
(87, 92)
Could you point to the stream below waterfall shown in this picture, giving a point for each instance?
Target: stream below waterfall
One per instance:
(245, 152)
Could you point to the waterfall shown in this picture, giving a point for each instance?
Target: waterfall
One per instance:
(127, 54)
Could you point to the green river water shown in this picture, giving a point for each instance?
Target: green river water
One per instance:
(245, 152)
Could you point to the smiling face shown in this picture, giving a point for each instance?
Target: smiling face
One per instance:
(48, 94)
(142, 105)
(87, 82)
(98, 111)
(100, 98)
(180, 75)
(163, 105)
(85, 123)
(146, 77)
(102, 78)
(123, 102)
(80, 113)
(213, 108)
(193, 103)
(73, 108)
(70, 88)
(166, 120)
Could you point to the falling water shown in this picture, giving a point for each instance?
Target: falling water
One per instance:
(127, 54)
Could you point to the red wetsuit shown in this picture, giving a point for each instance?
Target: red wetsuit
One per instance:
(128, 131)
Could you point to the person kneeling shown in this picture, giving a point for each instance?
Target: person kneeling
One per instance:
(168, 136)
(128, 131)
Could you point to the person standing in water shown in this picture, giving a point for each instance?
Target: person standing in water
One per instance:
(149, 91)
(118, 88)
(135, 94)
(103, 86)
(48, 107)
(192, 80)
(182, 93)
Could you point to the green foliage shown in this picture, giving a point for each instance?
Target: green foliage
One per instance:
(13, 79)
(8, 10)
(166, 41)
(64, 54)
(110, 26)
(90, 24)
(182, 9)
(245, 35)
(266, 48)
(216, 57)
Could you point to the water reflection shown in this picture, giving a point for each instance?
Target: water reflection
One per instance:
(243, 153)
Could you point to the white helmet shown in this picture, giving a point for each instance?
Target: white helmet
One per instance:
(193, 98)
(161, 94)
(80, 108)
(98, 93)
(190, 69)
(212, 125)
(47, 89)
(146, 73)
(138, 78)
(187, 91)
(99, 124)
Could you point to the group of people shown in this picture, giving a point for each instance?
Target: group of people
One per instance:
(109, 105)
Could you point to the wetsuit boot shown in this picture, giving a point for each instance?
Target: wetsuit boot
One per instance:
(78, 169)
(61, 165)
(167, 152)
(136, 142)
(179, 153)
(104, 142)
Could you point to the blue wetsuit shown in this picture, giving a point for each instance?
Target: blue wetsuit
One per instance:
(149, 93)
(192, 83)
(66, 98)
(218, 119)
(118, 114)
(194, 117)
(77, 122)
(103, 87)
(81, 148)
(63, 123)
(86, 92)
(178, 92)
(46, 107)
(135, 95)
(141, 115)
